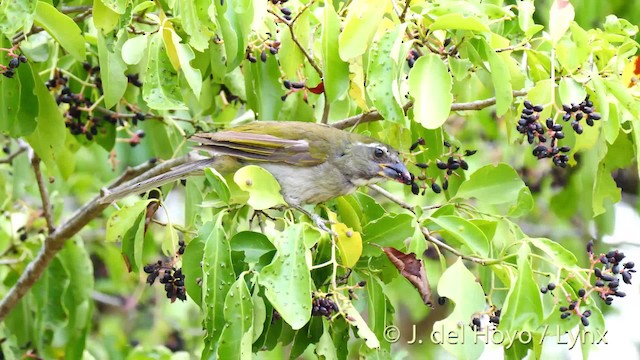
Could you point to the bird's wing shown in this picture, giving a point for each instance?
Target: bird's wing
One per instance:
(259, 147)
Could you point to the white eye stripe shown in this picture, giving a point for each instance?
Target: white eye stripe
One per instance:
(374, 145)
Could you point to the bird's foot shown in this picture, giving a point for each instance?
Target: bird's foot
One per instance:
(322, 223)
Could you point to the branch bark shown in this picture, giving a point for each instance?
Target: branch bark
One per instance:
(44, 194)
(376, 116)
(22, 148)
(55, 241)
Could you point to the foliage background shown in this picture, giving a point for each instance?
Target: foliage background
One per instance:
(88, 304)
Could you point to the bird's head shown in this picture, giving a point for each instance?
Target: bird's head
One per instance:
(374, 162)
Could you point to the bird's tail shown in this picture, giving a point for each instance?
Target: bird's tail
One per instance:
(179, 172)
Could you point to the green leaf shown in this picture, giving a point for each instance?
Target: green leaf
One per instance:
(47, 140)
(195, 20)
(360, 26)
(253, 244)
(218, 62)
(237, 335)
(608, 110)
(501, 78)
(118, 6)
(18, 105)
(191, 259)
(556, 252)
(77, 262)
(263, 188)
(570, 91)
(492, 184)
(133, 49)
(185, 55)
(217, 278)
(218, 183)
(16, 16)
(122, 220)
(430, 87)
(522, 309)
(354, 318)
(459, 285)
(464, 232)
(161, 90)
(287, 281)
(127, 227)
(346, 209)
(388, 230)
(325, 349)
(382, 74)
(262, 81)
(526, 8)
(605, 190)
(335, 71)
(457, 21)
(349, 244)
(112, 68)
(259, 314)
(560, 17)
(104, 18)
(62, 28)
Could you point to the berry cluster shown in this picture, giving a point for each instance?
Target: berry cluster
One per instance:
(172, 278)
(323, 306)
(10, 70)
(606, 283)
(412, 57)
(607, 280)
(273, 46)
(584, 110)
(572, 305)
(292, 86)
(78, 108)
(530, 125)
(454, 162)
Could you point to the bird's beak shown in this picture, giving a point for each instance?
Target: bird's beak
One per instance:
(396, 171)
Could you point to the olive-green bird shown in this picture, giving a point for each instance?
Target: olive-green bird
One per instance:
(312, 162)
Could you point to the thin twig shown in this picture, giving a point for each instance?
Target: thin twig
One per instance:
(295, 39)
(325, 111)
(404, 11)
(22, 148)
(454, 251)
(392, 197)
(44, 194)
(36, 29)
(56, 240)
(376, 116)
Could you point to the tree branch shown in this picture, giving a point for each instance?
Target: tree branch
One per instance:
(295, 39)
(55, 241)
(481, 261)
(404, 11)
(376, 116)
(22, 148)
(44, 194)
(392, 197)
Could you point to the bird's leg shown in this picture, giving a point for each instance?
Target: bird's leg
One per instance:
(317, 219)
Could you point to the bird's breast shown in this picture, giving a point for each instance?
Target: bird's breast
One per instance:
(310, 185)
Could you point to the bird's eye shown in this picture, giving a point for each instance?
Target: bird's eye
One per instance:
(378, 152)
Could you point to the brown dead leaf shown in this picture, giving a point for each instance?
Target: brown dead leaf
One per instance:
(151, 212)
(413, 270)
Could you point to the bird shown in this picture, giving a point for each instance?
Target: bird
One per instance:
(312, 162)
